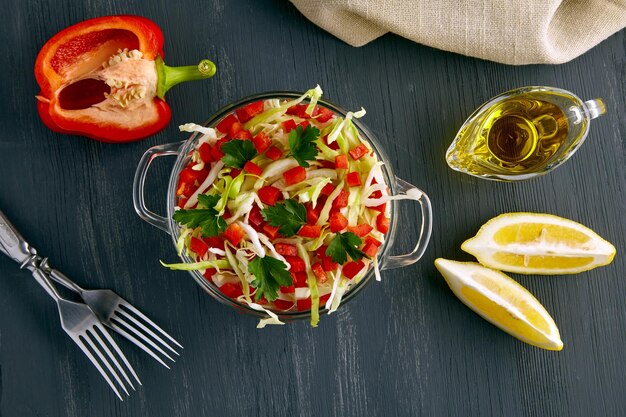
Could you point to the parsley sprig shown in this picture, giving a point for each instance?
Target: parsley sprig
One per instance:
(289, 216)
(269, 275)
(207, 218)
(237, 153)
(343, 245)
(302, 144)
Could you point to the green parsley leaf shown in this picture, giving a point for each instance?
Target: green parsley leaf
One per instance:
(270, 274)
(207, 218)
(290, 216)
(345, 244)
(237, 153)
(302, 144)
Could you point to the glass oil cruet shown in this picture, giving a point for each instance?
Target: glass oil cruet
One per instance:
(522, 133)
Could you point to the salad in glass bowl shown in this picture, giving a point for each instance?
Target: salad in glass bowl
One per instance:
(282, 206)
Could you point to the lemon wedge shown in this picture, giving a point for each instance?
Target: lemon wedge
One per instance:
(532, 243)
(501, 301)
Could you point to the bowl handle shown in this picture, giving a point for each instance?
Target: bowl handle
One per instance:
(140, 179)
(410, 192)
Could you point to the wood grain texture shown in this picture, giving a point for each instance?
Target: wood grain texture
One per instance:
(406, 346)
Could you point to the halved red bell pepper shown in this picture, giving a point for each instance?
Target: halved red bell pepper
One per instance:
(105, 78)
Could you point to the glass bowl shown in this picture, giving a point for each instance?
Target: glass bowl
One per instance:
(182, 151)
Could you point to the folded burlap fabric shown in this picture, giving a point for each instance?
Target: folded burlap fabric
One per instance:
(508, 31)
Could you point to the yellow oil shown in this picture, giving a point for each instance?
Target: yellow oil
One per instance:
(516, 135)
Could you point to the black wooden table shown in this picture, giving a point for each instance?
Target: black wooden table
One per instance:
(406, 346)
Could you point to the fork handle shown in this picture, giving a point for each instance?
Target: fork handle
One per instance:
(38, 266)
(13, 244)
(62, 279)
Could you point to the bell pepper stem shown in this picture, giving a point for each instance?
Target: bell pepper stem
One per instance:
(168, 77)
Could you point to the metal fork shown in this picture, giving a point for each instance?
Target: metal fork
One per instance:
(77, 319)
(119, 315)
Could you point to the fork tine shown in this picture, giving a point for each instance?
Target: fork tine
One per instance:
(120, 354)
(95, 363)
(108, 351)
(144, 328)
(116, 316)
(104, 359)
(137, 342)
(132, 308)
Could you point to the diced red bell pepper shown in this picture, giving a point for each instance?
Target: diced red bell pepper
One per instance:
(350, 269)
(299, 279)
(312, 214)
(234, 233)
(274, 153)
(358, 151)
(248, 111)
(304, 124)
(370, 250)
(369, 240)
(189, 180)
(286, 249)
(303, 304)
(334, 145)
(382, 223)
(328, 264)
(376, 194)
(252, 168)
(271, 231)
(262, 142)
(208, 274)
(327, 164)
(232, 289)
(205, 152)
(198, 246)
(289, 289)
(380, 208)
(353, 179)
(327, 189)
(341, 162)
(225, 124)
(323, 299)
(297, 264)
(338, 222)
(242, 135)
(310, 231)
(319, 272)
(234, 129)
(214, 242)
(322, 114)
(269, 195)
(234, 172)
(321, 251)
(216, 152)
(341, 200)
(289, 125)
(298, 110)
(283, 305)
(69, 99)
(294, 175)
(256, 217)
(361, 229)
(182, 201)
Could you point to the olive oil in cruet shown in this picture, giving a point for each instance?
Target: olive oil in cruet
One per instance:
(522, 133)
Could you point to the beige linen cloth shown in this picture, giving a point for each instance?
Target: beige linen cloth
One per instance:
(508, 31)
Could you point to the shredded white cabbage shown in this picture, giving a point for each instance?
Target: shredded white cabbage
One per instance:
(272, 319)
(205, 184)
(208, 133)
(254, 238)
(337, 129)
